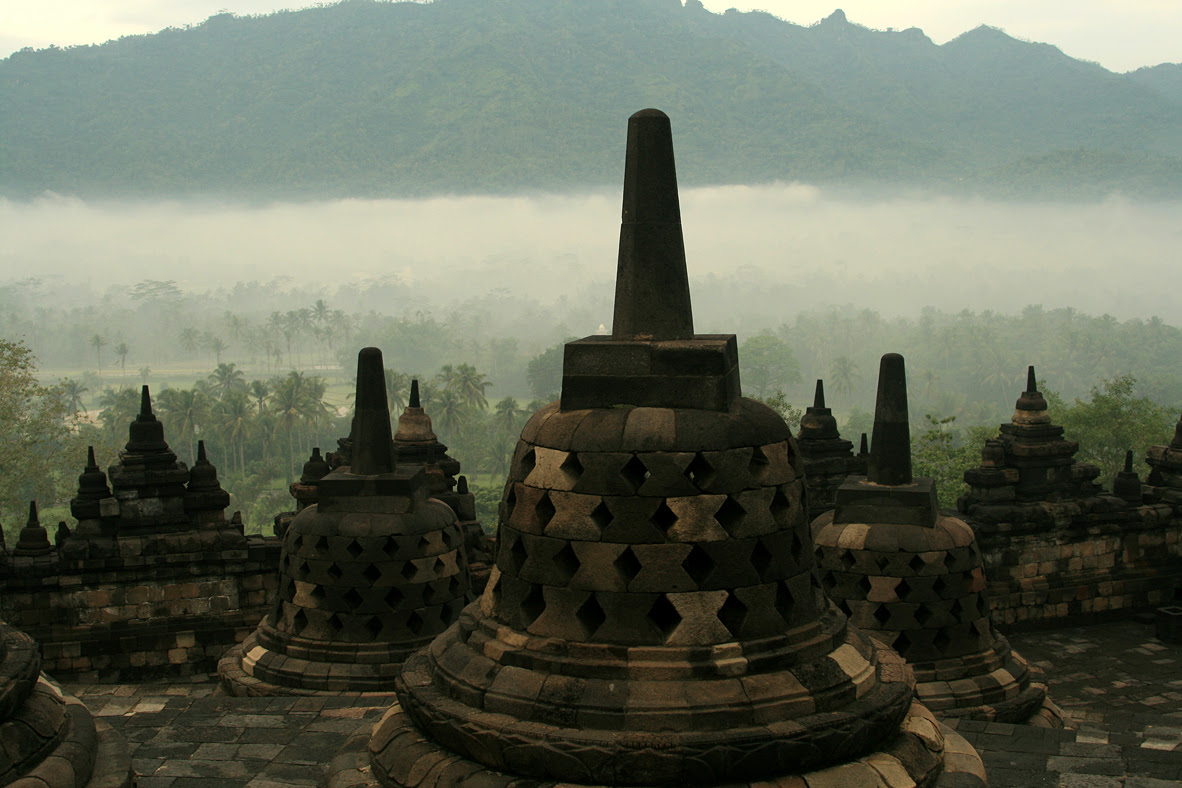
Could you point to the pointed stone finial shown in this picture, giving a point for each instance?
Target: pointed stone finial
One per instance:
(92, 482)
(201, 453)
(652, 286)
(90, 460)
(1031, 381)
(34, 540)
(315, 468)
(146, 433)
(818, 423)
(864, 448)
(63, 533)
(373, 448)
(1031, 407)
(203, 476)
(1127, 484)
(462, 485)
(414, 394)
(414, 425)
(819, 396)
(890, 453)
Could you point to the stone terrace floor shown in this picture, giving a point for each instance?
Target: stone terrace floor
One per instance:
(1120, 688)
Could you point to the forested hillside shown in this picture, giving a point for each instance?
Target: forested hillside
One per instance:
(366, 98)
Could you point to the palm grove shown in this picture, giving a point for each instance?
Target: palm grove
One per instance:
(263, 378)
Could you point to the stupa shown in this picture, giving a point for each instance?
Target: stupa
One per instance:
(912, 578)
(828, 458)
(652, 618)
(303, 489)
(49, 738)
(1165, 464)
(371, 572)
(415, 442)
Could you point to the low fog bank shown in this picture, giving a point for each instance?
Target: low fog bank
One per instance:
(757, 255)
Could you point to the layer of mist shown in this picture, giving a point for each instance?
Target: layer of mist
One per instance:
(757, 255)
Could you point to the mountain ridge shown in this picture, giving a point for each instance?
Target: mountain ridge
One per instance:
(405, 99)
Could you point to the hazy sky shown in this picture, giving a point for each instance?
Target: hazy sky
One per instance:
(1120, 34)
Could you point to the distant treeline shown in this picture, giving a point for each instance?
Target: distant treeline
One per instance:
(370, 98)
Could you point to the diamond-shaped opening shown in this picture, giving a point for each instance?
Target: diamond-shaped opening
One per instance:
(916, 564)
(510, 500)
(635, 472)
(566, 562)
(571, 468)
(942, 641)
(796, 547)
(699, 471)
(923, 615)
(902, 644)
(864, 585)
(528, 461)
(959, 610)
(730, 514)
(761, 558)
(785, 604)
(414, 623)
(447, 614)
(818, 554)
(844, 607)
(698, 565)
(545, 510)
(664, 517)
(372, 573)
(335, 623)
(424, 544)
(439, 566)
(731, 614)
(882, 614)
(847, 559)
(828, 581)
(758, 465)
(903, 590)
(390, 547)
(289, 590)
(628, 565)
(601, 516)
(334, 572)
(317, 593)
(664, 616)
(393, 598)
(297, 542)
(321, 543)
(409, 570)
(298, 622)
(882, 562)
(780, 507)
(518, 554)
(454, 587)
(353, 598)
(532, 605)
(354, 549)
(949, 561)
(373, 625)
(590, 616)
(939, 585)
(429, 594)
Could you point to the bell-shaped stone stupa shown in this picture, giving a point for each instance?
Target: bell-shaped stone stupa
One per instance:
(652, 618)
(828, 458)
(371, 572)
(913, 578)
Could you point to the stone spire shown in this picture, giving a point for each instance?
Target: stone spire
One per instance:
(828, 459)
(1031, 407)
(146, 433)
(1127, 484)
(34, 540)
(864, 447)
(914, 579)
(92, 483)
(890, 448)
(205, 500)
(368, 575)
(414, 426)
(653, 618)
(373, 450)
(652, 286)
(315, 468)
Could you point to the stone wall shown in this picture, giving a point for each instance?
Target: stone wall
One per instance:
(165, 605)
(1078, 560)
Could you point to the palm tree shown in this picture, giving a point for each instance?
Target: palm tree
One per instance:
(121, 350)
(259, 390)
(320, 311)
(449, 412)
(218, 347)
(74, 391)
(470, 385)
(506, 413)
(145, 371)
(233, 416)
(296, 399)
(117, 408)
(227, 378)
(98, 343)
(842, 372)
(183, 411)
(189, 339)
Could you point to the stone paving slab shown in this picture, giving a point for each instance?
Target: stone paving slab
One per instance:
(1120, 688)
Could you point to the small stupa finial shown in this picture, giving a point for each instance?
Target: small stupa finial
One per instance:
(373, 447)
(1129, 461)
(819, 396)
(652, 285)
(1031, 381)
(414, 394)
(890, 453)
(201, 452)
(146, 405)
(864, 448)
